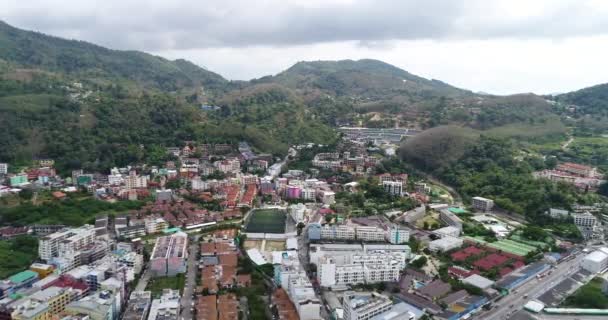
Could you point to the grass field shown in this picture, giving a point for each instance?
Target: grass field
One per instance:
(156, 285)
(509, 246)
(266, 221)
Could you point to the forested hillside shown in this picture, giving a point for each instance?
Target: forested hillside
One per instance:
(92, 107)
(28, 49)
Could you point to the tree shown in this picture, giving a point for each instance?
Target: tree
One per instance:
(534, 233)
(603, 189)
(419, 263)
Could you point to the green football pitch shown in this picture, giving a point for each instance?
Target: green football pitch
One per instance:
(266, 221)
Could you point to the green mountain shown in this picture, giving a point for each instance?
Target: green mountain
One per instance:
(33, 50)
(90, 107)
(364, 78)
(592, 100)
(74, 100)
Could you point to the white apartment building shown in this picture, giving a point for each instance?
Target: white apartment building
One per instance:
(308, 194)
(596, 261)
(393, 187)
(360, 268)
(302, 294)
(115, 179)
(396, 235)
(445, 244)
(297, 212)
(338, 232)
(3, 168)
(366, 233)
(363, 306)
(136, 182)
(155, 224)
(585, 219)
(482, 204)
(249, 179)
(63, 241)
(447, 231)
(327, 197)
(198, 184)
(166, 307)
(342, 253)
(228, 165)
(558, 213)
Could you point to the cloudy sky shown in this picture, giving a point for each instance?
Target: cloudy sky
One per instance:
(511, 46)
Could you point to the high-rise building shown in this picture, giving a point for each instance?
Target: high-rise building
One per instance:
(393, 187)
(69, 240)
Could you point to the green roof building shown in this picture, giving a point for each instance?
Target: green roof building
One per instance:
(171, 230)
(18, 180)
(456, 210)
(23, 278)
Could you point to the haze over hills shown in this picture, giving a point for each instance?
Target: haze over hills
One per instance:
(115, 99)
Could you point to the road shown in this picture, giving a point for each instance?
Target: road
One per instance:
(567, 143)
(145, 278)
(515, 300)
(187, 296)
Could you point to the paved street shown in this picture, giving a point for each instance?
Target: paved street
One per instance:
(145, 278)
(515, 301)
(187, 297)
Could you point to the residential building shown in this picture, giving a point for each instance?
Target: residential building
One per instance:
(198, 184)
(370, 233)
(297, 212)
(482, 204)
(18, 180)
(55, 297)
(314, 231)
(302, 294)
(585, 219)
(31, 310)
(338, 232)
(558, 213)
(99, 306)
(115, 179)
(397, 235)
(577, 169)
(43, 270)
(414, 215)
(130, 232)
(167, 307)
(596, 261)
(139, 306)
(169, 255)
(155, 224)
(133, 181)
(393, 187)
(327, 197)
(308, 194)
(3, 168)
(363, 306)
(447, 231)
(360, 267)
(69, 240)
(444, 244)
